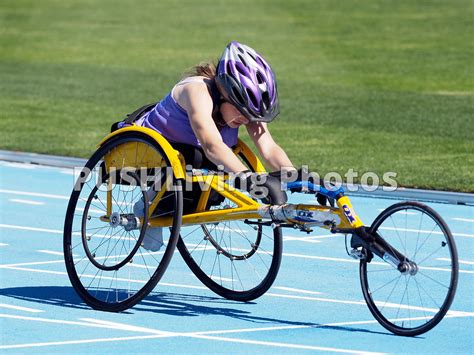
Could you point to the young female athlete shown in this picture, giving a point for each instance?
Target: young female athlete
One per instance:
(202, 114)
(206, 109)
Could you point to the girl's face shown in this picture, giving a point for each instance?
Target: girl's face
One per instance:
(232, 117)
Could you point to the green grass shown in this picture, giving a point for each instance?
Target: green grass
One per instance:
(370, 85)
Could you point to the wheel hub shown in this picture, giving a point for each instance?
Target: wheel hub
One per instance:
(115, 219)
(408, 268)
(127, 221)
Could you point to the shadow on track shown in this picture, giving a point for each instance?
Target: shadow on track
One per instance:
(172, 304)
(49, 295)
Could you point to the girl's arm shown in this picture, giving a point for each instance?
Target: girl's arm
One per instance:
(195, 99)
(273, 155)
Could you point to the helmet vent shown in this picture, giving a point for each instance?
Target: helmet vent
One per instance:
(252, 97)
(260, 78)
(242, 59)
(238, 97)
(260, 62)
(251, 56)
(266, 100)
(228, 68)
(240, 69)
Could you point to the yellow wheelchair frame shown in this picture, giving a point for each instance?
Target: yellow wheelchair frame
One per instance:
(247, 208)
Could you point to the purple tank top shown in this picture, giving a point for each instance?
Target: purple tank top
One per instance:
(172, 121)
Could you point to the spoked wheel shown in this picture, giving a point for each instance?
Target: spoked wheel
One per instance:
(106, 226)
(235, 259)
(414, 299)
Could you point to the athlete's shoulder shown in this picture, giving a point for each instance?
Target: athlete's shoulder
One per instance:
(192, 94)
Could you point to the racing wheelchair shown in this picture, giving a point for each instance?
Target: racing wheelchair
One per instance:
(408, 260)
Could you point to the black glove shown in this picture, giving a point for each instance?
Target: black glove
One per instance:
(242, 180)
(260, 186)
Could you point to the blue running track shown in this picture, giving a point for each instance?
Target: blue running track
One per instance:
(315, 305)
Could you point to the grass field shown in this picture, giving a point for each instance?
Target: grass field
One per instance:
(370, 85)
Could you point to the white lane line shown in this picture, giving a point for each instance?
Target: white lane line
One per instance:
(36, 194)
(50, 252)
(404, 306)
(59, 197)
(103, 277)
(127, 327)
(20, 166)
(353, 261)
(283, 345)
(217, 278)
(74, 255)
(296, 290)
(55, 321)
(183, 286)
(445, 270)
(54, 231)
(9, 266)
(454, 314)
(35, 270)
(88, 341)
(3, 245)
(26, 202)
(287, 327)
(88, 322)
(52, 169)
(227, 229)
(33, 229)
(18, 308)
(325, 236)
(426, 231)
(463, 219)
(93, 210)
(399, 212)
(460, 261)
(302, 239)
(307, 298)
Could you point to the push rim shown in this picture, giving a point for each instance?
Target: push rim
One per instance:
(86, 237)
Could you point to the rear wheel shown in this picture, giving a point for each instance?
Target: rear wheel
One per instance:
(414, 300)
(237, 260)
(105, 258)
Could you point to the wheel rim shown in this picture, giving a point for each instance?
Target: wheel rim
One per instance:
(107, 264)
(235, 259)
(133, 240)
(413, 301)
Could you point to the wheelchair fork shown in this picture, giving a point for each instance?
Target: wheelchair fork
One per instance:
(374, 244)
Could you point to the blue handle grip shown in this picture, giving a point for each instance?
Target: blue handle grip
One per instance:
(315, 188)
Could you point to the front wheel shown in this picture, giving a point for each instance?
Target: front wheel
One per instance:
(411, 302)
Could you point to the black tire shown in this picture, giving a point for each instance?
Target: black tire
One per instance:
(113, 271)
(225, 258)
(431, 285)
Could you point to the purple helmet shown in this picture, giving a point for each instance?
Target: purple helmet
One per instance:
(246, 80)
